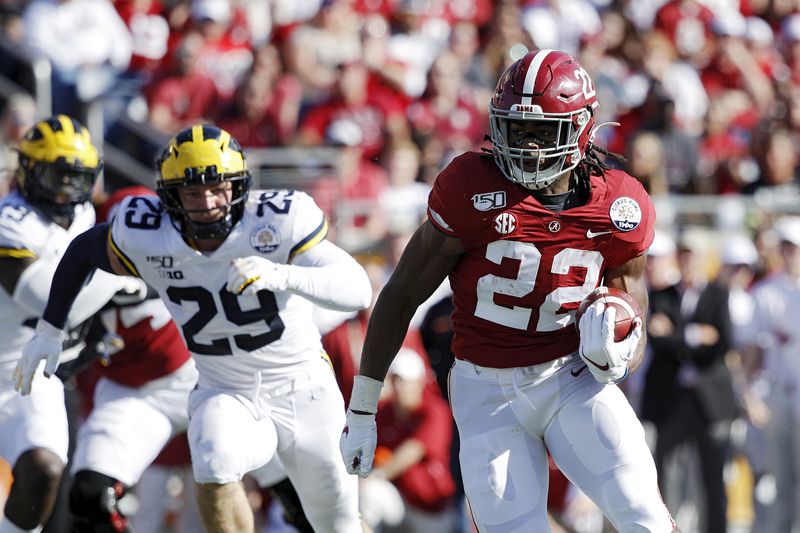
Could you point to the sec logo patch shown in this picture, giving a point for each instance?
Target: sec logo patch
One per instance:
(625, 213)
(505, 223)
(265, 238)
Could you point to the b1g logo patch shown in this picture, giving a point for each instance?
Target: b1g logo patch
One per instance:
(625, 214)
(505, 223)
(265, 238)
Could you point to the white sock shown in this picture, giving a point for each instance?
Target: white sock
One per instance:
(7, 527)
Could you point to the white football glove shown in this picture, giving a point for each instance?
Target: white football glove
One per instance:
(607, 360)
(248, 275)
(46, 344)
(358, 443)
(360, 436)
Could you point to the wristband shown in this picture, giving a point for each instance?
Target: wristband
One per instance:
(366, 392)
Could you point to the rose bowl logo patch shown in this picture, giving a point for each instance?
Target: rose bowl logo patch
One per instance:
(625, 213)
(265, 238)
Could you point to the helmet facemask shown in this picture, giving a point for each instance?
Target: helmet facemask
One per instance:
(537, 168)
(231, 212)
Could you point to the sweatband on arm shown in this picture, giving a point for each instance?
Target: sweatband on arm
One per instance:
(331, 278)
(365, 395)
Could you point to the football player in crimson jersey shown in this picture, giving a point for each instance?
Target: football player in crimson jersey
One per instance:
(524, 234)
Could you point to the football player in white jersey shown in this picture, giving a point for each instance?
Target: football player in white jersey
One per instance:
(240, 272)
(58, 166)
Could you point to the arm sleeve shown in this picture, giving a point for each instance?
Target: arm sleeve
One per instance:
(86, 253)
(331, 278)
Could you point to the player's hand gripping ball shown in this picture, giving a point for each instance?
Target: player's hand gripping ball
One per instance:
(627, 309)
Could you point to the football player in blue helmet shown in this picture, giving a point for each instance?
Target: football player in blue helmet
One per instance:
(58, 167)
(49, 206)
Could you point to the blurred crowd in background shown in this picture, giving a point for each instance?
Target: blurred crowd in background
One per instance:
(706, 95)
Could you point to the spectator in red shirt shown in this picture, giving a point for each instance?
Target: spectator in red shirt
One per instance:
(349, 196)
(149, 32)
(265, 108)
(183, 95)
(447, 109)
(351, 101)
(414, 436)
(226, 54)
(688, 25)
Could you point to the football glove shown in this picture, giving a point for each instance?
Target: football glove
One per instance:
(607, 360)
(248, 275)
(360, 436)
(46, 344)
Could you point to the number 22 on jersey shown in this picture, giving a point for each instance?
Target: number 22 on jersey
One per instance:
(530, 261)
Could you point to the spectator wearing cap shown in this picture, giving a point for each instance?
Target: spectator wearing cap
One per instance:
(377, 119)
(149, 33)
(687, 23)
(413, 453)
(688, 391)
(777, 327)
(760, 40)
(661, 269)
(226, 54)
(349, 195)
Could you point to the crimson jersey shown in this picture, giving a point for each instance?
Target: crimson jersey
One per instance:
(525, 268)
(153, 348)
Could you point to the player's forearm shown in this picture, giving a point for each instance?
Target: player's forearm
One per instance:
(342, 286)
(387, 329)
(86, 253)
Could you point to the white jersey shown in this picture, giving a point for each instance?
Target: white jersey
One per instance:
(233, 339)
(26, 232)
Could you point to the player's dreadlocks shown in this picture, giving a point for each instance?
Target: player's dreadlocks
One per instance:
(593, 163)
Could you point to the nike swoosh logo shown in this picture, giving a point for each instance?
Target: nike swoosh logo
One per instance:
(592, 234)
(601, 367)
(577, 371)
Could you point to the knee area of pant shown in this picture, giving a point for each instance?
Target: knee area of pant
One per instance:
(214, 466)
(39, 468)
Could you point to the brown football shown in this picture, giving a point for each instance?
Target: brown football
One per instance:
(627, 309)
